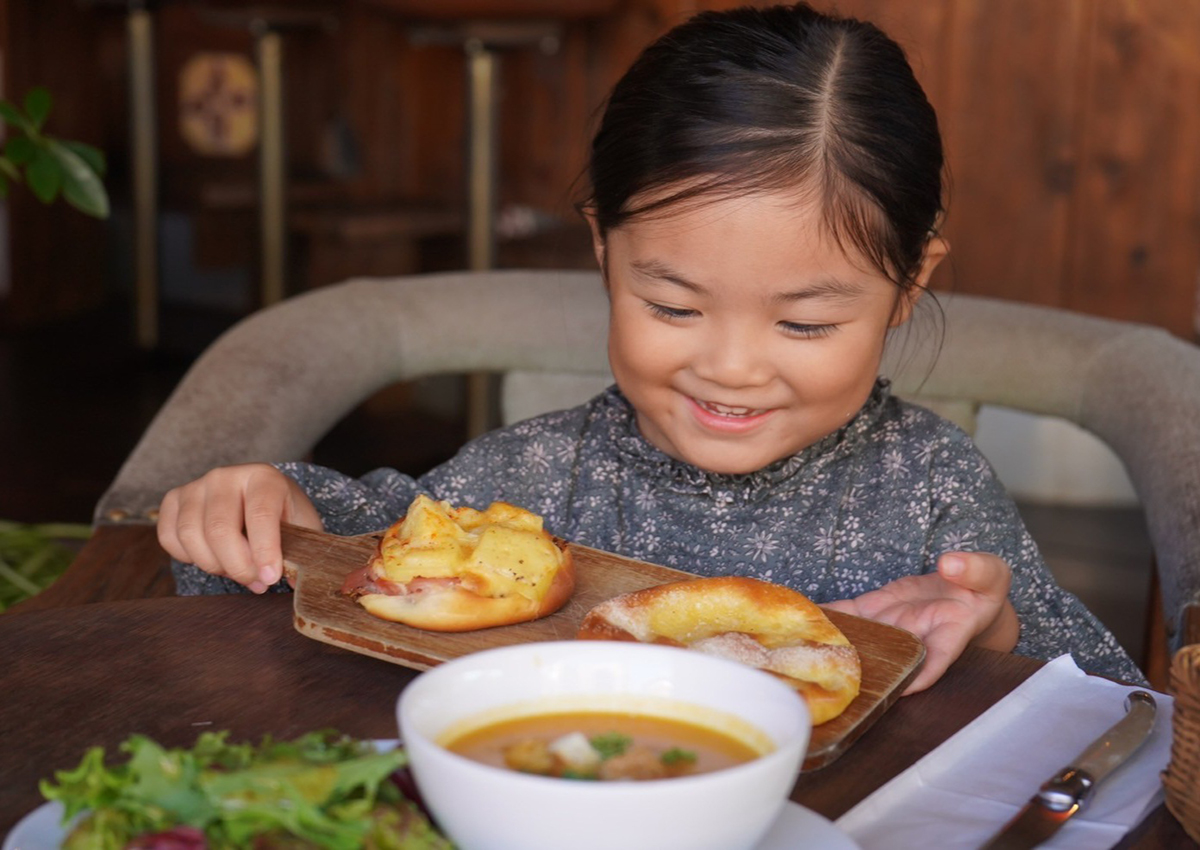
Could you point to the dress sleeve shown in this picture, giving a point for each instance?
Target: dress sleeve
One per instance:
(354, 505)
(529, 464)
(974, 513)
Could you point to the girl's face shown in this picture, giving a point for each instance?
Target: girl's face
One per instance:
(740, 331)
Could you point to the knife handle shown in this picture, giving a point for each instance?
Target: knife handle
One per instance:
(1074, 783)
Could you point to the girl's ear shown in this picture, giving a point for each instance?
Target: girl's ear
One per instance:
(589, 215)
(936, 250)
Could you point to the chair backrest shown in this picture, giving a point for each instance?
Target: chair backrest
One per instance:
(275, 383)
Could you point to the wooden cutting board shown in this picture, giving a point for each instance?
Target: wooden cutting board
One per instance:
(318, 563)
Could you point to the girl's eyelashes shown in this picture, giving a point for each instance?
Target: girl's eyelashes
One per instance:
(793, 329)
(665, 312)
(807, 331)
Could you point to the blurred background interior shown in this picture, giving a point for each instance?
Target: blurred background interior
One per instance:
(256, 151)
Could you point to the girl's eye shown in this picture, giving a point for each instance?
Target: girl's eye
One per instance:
(664, 312)
(807, 331)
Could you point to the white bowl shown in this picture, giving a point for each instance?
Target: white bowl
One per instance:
(489, 808)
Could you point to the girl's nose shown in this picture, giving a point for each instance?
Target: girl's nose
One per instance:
(733, 357)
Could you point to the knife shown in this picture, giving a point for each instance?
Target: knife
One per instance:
(1068, 791)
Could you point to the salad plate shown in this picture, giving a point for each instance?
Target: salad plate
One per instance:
(42, 829)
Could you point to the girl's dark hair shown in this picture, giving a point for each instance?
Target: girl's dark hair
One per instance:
(770, 99)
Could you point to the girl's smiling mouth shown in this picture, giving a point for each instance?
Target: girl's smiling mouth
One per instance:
(726, 417)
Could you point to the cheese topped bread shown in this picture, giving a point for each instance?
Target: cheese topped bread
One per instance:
(754, 622)
(456, 569)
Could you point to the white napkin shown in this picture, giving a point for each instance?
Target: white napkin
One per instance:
(963, 792)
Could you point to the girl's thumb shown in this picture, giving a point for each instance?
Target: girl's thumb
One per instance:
(973, 570)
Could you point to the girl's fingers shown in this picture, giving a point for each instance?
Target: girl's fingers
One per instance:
(845, 606)
(936, 664)
(943, 646)
(168, 537)
(266, 505)
(300, 511)
(227, 522)
(223, 532)
(979, 572)
(193, 546)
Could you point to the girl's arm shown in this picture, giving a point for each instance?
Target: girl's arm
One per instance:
(1002, 595)
(974, 512)
(964, 602)
(223, 529)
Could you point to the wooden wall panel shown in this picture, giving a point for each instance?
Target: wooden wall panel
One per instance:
(546, 115)
(1071, 128)
(180, 33)
(404, 105)
(1134, 246)
(1011, 93)
(552, 103)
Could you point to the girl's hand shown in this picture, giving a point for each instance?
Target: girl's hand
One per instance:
(227, 522)
(964, 602)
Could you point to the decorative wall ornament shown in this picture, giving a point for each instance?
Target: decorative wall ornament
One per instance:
(218, 104)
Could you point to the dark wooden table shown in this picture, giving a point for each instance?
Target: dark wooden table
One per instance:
(92, 674)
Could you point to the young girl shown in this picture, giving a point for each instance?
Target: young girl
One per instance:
(765, 197)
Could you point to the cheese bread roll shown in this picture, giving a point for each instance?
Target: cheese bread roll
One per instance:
(755, 622)
(456, 569)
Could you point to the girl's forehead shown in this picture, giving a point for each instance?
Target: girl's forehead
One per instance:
(780, 234)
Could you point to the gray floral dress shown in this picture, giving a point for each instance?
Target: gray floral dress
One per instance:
(879, 499)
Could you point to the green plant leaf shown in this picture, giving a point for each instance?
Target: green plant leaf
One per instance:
(37, 105)
(20, 150)
(45, 176)
(94, 157)
(3, 185)
(13, 116)
(81, 186)
(9, 170)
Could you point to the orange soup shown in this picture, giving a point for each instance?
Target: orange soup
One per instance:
(598, 745)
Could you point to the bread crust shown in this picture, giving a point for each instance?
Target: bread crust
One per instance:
(457, 600)
(453, 608)
(754, 622)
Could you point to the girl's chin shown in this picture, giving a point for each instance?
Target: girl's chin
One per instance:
(722, 455)
(729, 463)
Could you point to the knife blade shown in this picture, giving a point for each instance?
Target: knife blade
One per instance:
(1068, 792)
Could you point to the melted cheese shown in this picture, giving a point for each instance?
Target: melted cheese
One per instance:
(691, 618)
(498, 552)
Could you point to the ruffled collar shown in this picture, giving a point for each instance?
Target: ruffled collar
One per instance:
(682, 477)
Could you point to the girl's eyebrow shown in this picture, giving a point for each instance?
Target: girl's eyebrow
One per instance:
(825, 289)
(661, 271)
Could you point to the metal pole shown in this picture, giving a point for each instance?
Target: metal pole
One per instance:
(272, 165)
(140, 29)
(481, 202)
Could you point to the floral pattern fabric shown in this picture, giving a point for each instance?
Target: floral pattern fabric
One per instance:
(879, 499)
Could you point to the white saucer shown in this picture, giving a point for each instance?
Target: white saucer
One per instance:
(796, 826)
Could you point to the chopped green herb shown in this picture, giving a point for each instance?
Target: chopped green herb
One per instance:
(675, 755)
(609, 744)
(577, 774)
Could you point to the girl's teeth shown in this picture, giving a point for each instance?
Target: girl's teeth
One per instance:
(727, 411)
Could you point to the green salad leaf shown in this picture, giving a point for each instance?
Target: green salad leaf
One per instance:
(32, 557)
(320, 790)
